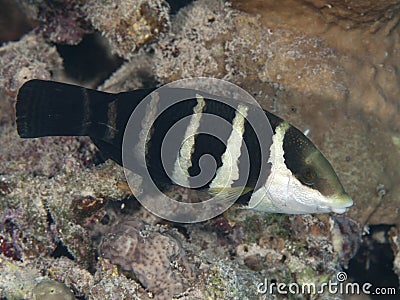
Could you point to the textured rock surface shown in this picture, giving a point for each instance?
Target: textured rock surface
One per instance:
(31, 57)
(353, 14)
(17, 279)
(59, 21)
(128, 24)
(152, 254)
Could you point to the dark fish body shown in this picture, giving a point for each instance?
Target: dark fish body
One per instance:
(47, 108)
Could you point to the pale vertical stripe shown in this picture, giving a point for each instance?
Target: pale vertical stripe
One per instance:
(277, 158)
(274, 188)
(183, 162)
(146, 124)
(111, 121)
(229, 171)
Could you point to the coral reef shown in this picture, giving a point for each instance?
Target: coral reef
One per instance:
(17, 279)
(112, 286)
(152, 254)
(196, 44)
(128, 24)
(66, 216)
(69, 272)
(9, 249)
(31, 57)
(346, 237)
(131, 75)
(58, 21)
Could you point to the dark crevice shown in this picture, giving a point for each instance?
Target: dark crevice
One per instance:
(62, 251)
(98, 158)
(176, 5)
(373, 262)
(90, 61)
(49, 217)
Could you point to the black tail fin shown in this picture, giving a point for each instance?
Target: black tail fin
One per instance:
(48, 108)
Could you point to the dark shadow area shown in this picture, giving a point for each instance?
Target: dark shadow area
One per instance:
(90, 61)
(13, 23)
(373, 262)
(176, 5)
(62, 251)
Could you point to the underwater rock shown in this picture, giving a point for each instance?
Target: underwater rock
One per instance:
(273, 248)
(48, 157)
(111, 285)
(346, 237)
(23, 223)
(395, 243)
(42, 219)
(153, 255)
(69, 272)
(71, 225)
(52, 290)
(8, 249)
(31, 57)
(4, 188)
(59, 21)
(195, 46)
(353, 13)
(318, 16)
(17, 279)
(134, 74)
(128, 24)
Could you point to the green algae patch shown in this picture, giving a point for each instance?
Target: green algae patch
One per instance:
(52, 290)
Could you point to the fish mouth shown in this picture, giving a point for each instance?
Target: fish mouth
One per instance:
(340, 203)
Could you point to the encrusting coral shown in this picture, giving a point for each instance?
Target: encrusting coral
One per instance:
(52, 290)
(152, 254)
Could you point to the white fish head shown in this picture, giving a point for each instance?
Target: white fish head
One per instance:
(301, 179)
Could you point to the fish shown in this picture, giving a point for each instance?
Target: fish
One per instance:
(299, 179)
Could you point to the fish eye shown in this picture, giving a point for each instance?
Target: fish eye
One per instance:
(308, 176)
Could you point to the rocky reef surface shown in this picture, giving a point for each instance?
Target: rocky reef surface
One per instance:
(70, 228)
